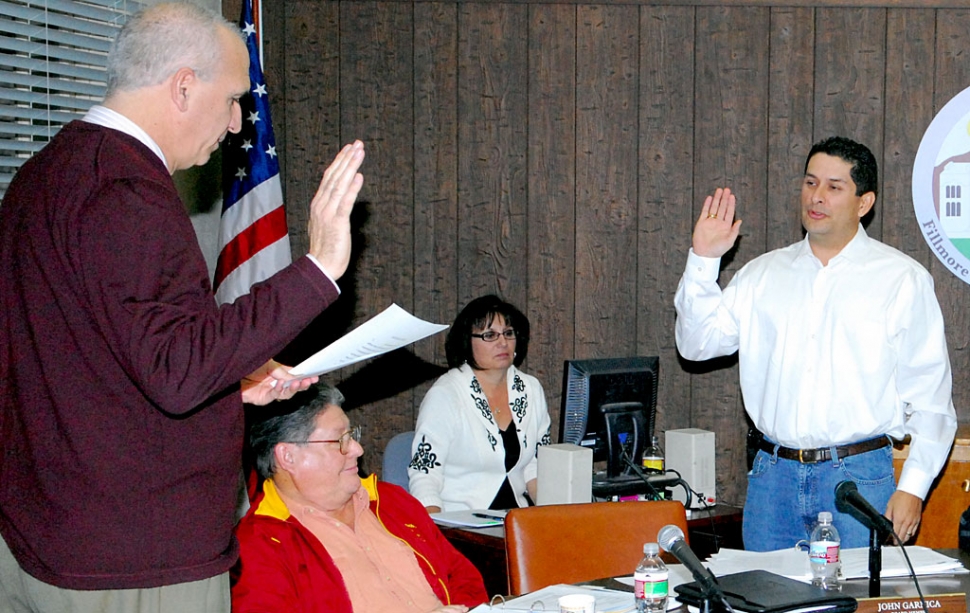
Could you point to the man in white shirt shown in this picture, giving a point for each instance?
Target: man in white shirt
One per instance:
(841, 346)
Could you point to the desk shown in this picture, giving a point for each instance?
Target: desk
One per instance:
(485, 548)
(889, 587)
(707, 531)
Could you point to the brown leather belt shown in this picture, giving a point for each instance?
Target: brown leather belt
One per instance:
(824, 454)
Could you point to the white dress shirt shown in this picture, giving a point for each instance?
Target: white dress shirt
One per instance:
(830, 355)
(109, 118)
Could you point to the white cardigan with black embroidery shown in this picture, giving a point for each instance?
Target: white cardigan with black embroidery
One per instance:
(457, 457)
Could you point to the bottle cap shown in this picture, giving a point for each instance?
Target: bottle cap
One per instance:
(651, 549)
(824, 516)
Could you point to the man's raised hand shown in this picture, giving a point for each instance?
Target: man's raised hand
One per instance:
(329, 226)
(716, 229)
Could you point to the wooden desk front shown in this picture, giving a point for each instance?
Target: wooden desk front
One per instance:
(707, 531)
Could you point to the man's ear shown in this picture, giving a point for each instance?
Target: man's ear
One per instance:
(868, 199)
(283, 454)
(181, 87)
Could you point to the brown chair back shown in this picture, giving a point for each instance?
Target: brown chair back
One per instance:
(571, 543)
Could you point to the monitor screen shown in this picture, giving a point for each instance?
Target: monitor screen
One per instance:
(610, 406)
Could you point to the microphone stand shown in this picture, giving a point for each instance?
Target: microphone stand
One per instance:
(875, 562)
(706, 605)
(712, 602)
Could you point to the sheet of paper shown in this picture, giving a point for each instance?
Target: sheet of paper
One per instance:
(391, 329)
(607, 601)
(476, 518)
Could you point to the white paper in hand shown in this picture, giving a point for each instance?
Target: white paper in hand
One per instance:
(392, 329)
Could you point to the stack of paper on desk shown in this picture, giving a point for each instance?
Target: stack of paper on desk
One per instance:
(607, 601)
(855, 562)
(794, 563)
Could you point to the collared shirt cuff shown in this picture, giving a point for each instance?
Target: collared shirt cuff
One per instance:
(702, 268)
(323, 270)
(914, 481)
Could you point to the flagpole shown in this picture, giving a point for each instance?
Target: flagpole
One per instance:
(258, 6)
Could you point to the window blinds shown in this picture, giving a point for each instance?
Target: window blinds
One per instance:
(52, 69)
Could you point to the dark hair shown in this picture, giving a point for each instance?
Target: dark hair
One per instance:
(864, 172)
(479, 313)
(292, 420)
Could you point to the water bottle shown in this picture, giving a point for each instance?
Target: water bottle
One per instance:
(650, 581)
(653, 457)
(823, 553)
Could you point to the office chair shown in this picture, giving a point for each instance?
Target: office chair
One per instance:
(397, 455)
(571, 543)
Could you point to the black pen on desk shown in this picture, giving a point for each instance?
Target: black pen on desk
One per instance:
(491, 517)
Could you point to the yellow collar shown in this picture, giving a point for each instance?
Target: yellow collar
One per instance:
(273, 506)
(369, 483)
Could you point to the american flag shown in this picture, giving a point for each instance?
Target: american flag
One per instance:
(253, 241)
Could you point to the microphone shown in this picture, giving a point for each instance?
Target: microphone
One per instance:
(848, 500)
(671, 539)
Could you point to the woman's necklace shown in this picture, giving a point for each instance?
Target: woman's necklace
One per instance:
(495, 407)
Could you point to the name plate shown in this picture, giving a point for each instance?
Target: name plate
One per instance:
(935, 603)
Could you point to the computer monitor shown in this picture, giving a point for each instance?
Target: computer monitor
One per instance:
(610, 406)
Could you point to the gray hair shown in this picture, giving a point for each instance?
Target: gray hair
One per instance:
(159, 40)
(294, 422)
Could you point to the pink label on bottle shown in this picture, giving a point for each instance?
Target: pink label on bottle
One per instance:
(823, 550)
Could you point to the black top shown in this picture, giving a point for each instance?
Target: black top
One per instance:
(505, 498)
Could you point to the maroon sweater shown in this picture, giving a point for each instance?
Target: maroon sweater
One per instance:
(120, 412)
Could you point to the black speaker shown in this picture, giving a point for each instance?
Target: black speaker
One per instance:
(964, 534)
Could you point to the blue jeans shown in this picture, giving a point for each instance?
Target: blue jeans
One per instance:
(785, 497)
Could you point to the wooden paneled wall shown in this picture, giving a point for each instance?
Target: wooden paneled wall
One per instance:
(557, 154)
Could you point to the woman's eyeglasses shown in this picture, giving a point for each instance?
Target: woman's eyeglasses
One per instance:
(490, 336)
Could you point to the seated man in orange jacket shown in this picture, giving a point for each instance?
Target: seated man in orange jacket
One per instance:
(320, 538)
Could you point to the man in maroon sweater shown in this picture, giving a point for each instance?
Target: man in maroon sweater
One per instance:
(121, 416)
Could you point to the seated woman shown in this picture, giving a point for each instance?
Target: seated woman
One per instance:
(481, 424)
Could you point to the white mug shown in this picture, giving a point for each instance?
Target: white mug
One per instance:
(577, 603)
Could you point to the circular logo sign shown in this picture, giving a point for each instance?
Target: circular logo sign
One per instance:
(941, 185)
